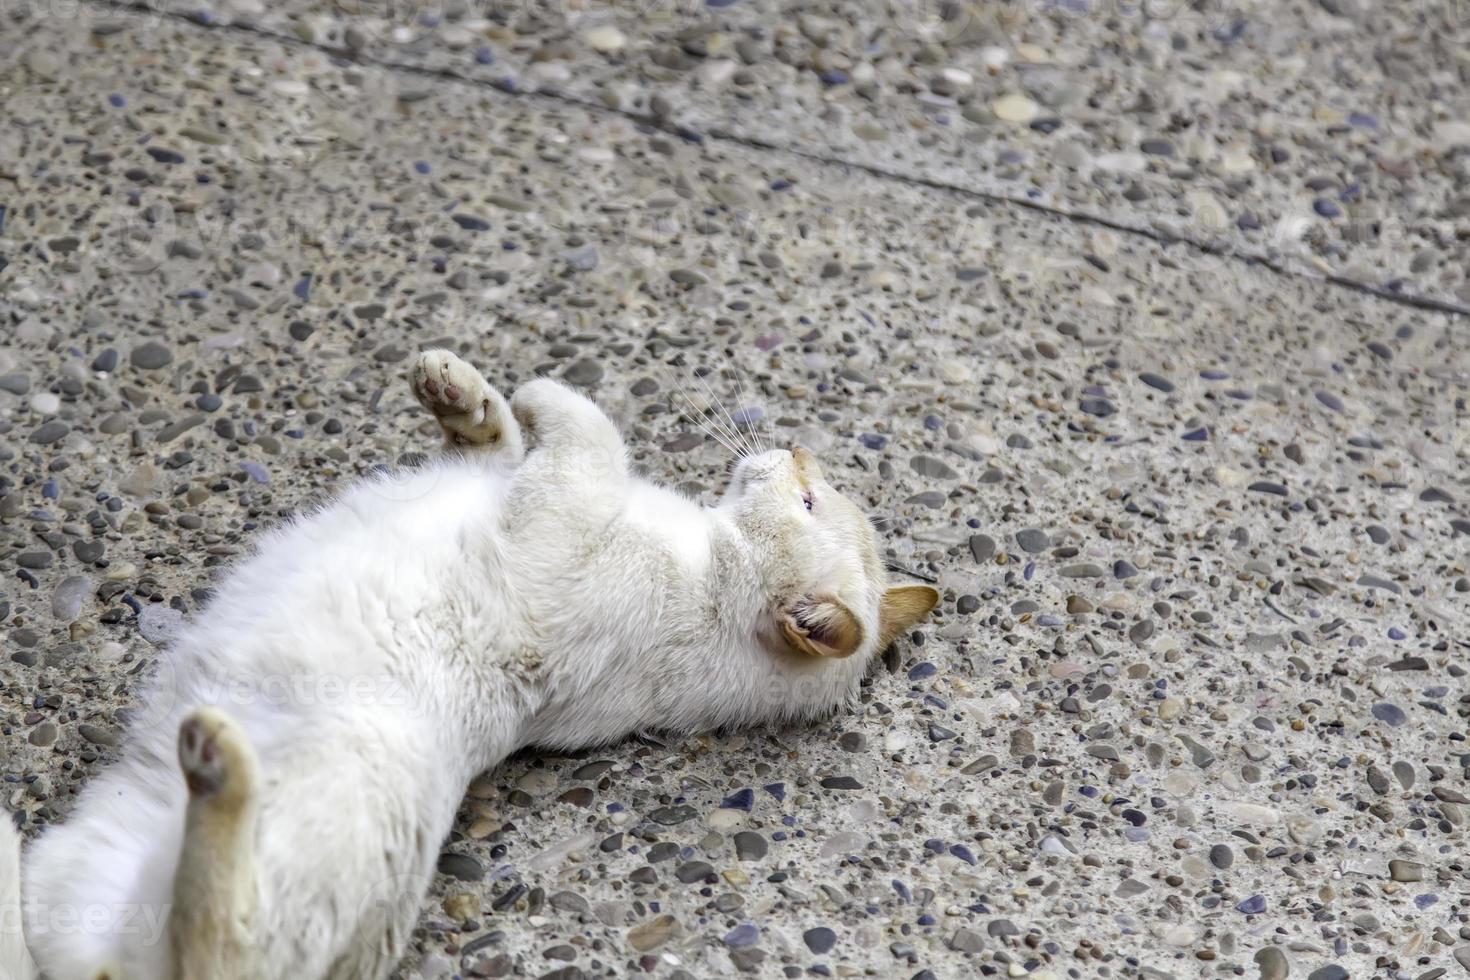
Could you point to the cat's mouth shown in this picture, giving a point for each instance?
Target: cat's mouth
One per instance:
(757, 469)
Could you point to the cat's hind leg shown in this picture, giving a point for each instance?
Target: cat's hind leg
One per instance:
(472, 414)
(215, 891)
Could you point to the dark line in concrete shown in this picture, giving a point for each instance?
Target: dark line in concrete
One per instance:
(1277, 266)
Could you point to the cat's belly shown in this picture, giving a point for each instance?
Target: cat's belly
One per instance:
(371, 602)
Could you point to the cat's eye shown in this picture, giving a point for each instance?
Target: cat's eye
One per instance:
(808, 499)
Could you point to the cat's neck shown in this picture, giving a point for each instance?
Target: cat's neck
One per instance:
(734, 564)
(733, 580)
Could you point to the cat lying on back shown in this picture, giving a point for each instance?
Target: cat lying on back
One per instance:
(524, 589)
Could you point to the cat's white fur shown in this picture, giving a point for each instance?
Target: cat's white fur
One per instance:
(376, 655)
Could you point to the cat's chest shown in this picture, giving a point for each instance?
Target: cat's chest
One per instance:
(601, 563)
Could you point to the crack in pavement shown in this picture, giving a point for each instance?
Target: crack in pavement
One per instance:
(1284, 266)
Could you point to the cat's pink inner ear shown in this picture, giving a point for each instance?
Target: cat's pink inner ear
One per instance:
(903, 606)
(820, 626)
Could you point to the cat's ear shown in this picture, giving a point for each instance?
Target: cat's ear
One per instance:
(820, 626)
(903, 606)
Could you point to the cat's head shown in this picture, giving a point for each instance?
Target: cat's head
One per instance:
(818, 554)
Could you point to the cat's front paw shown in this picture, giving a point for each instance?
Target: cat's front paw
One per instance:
(471, 412)
(215, 756)
(544, 405)
(569, 427)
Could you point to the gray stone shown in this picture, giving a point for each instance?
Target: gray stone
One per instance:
(583, 373)
(35, 559)
(50, 432)
(1032, 541)
(461, 866)
(1400, 870)
(928, 466)
(671, 816)
(98, 735)
(982, 548)
(67, 599)
(150, 355)
(1272, 963)
(750, 846)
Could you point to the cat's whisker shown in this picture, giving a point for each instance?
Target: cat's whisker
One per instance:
(742, 428)
(702, 420)
(724, 443)
(746, 406)
(715, 425)
(713, 433)
(710, 406)
(753, 428)
(894, 566)
(726, 423)
(699, 413)
(729, 420)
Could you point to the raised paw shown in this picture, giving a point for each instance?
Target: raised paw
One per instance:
(546, 403)
(555, 416)
(470, 412)
(215, 756)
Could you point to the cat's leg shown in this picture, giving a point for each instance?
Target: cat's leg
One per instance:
(563, 422)
(215, 896)
(472, 414)
(353, 827)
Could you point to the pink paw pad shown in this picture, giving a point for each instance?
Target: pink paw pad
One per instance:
(199, 755)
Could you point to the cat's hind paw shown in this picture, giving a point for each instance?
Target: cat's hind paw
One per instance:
(216, 757)
(470, 411)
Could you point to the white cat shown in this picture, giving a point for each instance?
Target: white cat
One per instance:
(330, 705)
